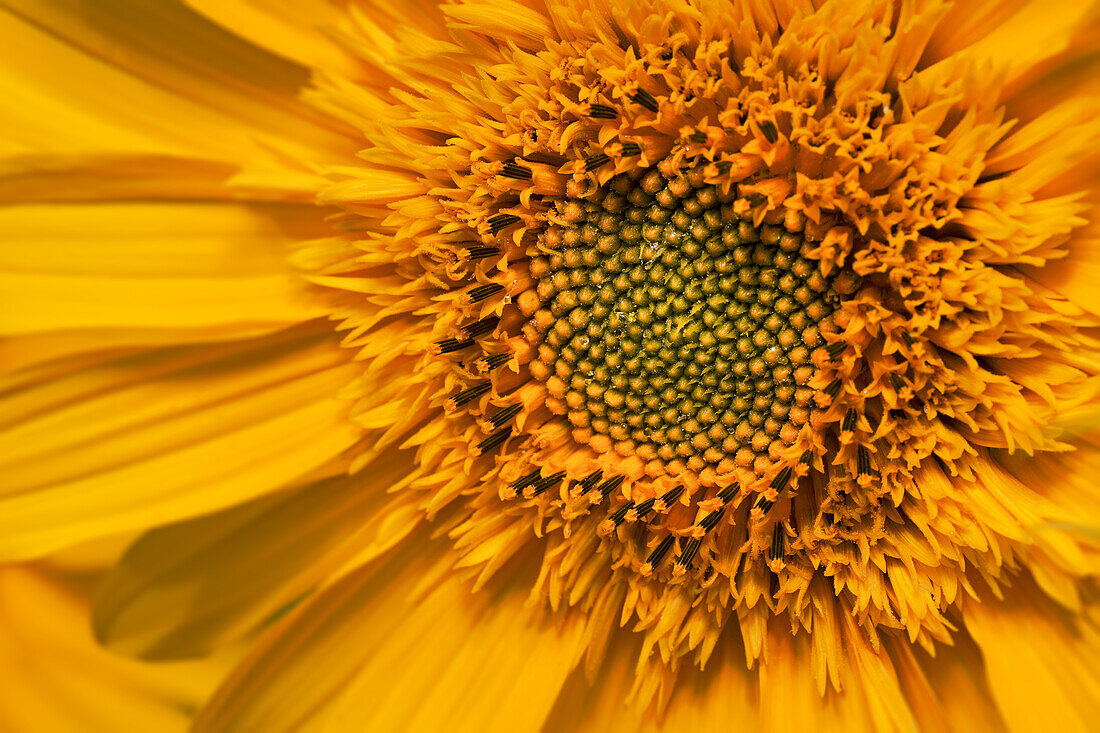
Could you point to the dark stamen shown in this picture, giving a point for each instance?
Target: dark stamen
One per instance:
(491, 362)
(711, 520)
(498, 222)
(469, 395)
(482, 327)
(447, 346)
(776, 550)
(591, 480)
(502, 416)
(602, 112)
(630, 149)
(618, 517)
(645, 99)
(863, 461)
(544, 484)
(660, 551)
(688, 551)
(515, 170)
(781, 478)
(592, 162)
(493, 441)
(481, 292)
(610, 485)
(672, 496)
(771, 134)
(849, 421)
(478, 252)
(526, 481)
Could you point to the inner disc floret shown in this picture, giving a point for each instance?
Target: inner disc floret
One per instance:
(673, 328)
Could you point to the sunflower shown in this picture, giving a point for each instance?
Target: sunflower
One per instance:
(567, 364)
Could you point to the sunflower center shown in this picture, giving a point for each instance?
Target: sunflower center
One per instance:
(675, 330)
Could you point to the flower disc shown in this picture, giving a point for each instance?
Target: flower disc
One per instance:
(675, 330)
(710, 306)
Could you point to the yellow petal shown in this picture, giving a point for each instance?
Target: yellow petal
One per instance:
(506, 20)
(725, 690)
(1075, 277)
(1016, 35)
(303, 32)
(1040, 661)
(34, 302)
(123, 76)
(160, 436)
(949, 688)
(241, 566)
(968, 21)
(1039, 31)
(57, 679)
(199, 267)
(437, 658)
(790, 698)
(599, 704)
(49, 177)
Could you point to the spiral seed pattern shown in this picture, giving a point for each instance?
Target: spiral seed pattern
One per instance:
(673, 329)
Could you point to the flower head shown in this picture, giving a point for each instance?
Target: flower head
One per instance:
(757, 327)
(714, 300)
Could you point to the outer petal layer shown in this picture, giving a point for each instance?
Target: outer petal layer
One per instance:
(149, 438)
(57, 679)
(242, 566)
(403, 645)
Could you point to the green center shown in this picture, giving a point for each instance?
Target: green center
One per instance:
(673, 326)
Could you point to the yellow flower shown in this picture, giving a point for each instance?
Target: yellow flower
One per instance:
(570, 364)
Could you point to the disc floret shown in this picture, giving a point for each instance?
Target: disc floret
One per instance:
(674, 329)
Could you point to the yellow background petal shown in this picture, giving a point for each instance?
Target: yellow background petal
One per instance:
(57, 680)
(404, 645)
(239, 567)
(156, 437)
